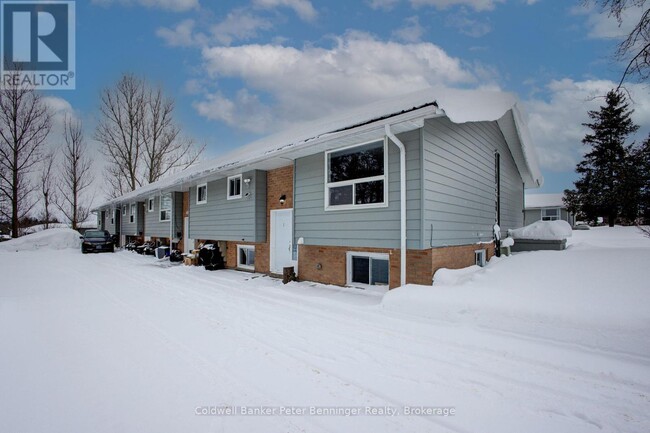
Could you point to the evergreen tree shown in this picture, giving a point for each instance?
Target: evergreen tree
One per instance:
(641, 158)
(608, 183)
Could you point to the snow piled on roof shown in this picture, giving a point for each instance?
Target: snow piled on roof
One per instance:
(458, 105)
(534, 201)
(50, 239)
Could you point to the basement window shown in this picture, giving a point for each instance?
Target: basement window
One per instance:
(479, 258)
(234, 187)
(165, 207)
(202, 194)
(246, 257)
(368, 269)
(356, 177)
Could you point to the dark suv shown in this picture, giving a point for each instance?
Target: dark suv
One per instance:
(96, 241)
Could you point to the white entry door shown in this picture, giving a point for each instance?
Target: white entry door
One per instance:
(188, 244)
(281, 239)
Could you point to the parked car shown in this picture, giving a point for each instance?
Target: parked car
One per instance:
(96, 241)
(5, 238)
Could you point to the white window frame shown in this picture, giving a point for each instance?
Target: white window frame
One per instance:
(377, 256)
(150, 204)
(125, 209)
(132, 214)
(205, 198)
(161, 208)
(329, 184)
(243, 266)
(480, 258)
(241, 187)
(112, 217)
(551, 217)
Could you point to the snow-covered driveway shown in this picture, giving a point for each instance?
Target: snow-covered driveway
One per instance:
(108, 343)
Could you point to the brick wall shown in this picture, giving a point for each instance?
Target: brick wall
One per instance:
(279, 182)
(420, 264)
(185, 213)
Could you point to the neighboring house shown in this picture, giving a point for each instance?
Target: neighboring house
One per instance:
(546, 207)
(378, 196)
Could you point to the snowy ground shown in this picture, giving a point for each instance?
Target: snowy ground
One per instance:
(539, 342)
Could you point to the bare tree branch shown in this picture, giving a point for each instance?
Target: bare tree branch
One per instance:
(139, 136)
(25, 123)
(76, 174)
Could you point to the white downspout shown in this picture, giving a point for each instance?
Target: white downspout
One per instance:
(402, 195)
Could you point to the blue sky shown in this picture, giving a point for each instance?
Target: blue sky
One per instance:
(243, 69)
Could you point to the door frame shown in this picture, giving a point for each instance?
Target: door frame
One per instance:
(186, 233)
(272, 235)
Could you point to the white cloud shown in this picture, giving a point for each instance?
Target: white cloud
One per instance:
(244, 112)
(479, 5)
(311, 82)
(468, 26)
(171, 5)
(601, 25)
(239, 25)
(303, 8)
(412, 31)
(180, 36)
(556, 122)
(383, 4)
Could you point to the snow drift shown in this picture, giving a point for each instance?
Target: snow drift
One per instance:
(50, 239)
(543, 231)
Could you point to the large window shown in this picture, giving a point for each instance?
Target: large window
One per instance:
(356, 176)
(552, 214)
(132, 216)
(368, 269)
(165, 207)
(246, 257)
(234, 187)
(202, 194)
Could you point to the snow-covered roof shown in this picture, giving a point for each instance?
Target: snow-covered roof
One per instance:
(537, 201)
(404, 113)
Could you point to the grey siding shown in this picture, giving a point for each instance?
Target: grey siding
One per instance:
(135, 228)
(221, 219)
(377, 227)
(106, 224)
(459, 182)
(152, 224)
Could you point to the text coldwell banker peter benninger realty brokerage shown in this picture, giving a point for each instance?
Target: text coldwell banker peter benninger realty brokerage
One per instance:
(324, 411)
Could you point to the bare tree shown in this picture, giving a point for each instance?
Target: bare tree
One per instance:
(634, 50)
(165, 149)
(77, 174)
(48, 191)
(25, 122)
(139, 136)
(120, 132)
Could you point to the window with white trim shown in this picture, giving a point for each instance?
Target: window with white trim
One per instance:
(132, 216)
(370, 269)
(165, 207)
(150, 204)
(356, 176)
(234, 187)
(551, 214)
(479, 258)
(202, 193)
(124, 209)
(112, 216)
(246, 257)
